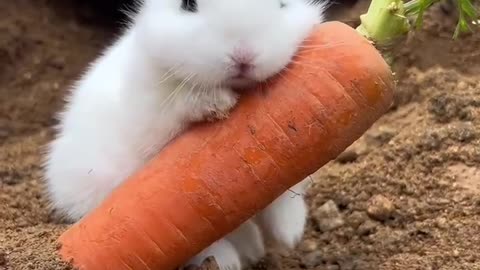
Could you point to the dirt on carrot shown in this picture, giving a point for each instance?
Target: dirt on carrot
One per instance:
(405, 196)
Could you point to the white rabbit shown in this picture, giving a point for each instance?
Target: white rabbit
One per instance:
(176, 63)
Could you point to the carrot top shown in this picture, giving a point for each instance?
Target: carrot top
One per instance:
(388, 21)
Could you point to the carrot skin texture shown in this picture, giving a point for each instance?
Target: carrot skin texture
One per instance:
(217, 175)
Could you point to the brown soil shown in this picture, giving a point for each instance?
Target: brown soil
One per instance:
(405, 196)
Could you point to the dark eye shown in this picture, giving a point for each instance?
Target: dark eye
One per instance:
(283, 4)
(189, 5)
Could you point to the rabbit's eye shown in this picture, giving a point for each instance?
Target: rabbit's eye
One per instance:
(189, 5)
(283, 4)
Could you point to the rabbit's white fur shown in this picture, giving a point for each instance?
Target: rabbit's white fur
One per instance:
(172, 67)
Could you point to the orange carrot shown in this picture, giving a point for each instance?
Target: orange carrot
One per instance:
(217, 175)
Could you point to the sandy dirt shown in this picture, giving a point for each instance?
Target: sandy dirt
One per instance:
(406, 196)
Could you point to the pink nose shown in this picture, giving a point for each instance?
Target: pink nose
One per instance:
(243, 59)
(242, 54)
(243, 67)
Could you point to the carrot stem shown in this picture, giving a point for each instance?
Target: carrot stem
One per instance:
(385, 23)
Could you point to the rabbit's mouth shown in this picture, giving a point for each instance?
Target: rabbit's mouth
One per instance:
(240, 81)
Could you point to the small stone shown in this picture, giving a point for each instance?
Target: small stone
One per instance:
(308, 245)
(384, 135)
(4, 133)
(367, 228)
(22, 223)
(27, 76)
(462, 85)
(347, 156)
(58, 63)
(328, 217)
(380, 208)
(347, 265)
(342, 201)
(4, 128)
(356, 219)
(456, 253)
(463, 133)
(362, 196)
(274, 261)
(361, 265)
(441, 223)
(3, 258)
(431, 141)
(314, 259)
(332, 267)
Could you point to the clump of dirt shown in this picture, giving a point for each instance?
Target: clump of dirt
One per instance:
(405, 196)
